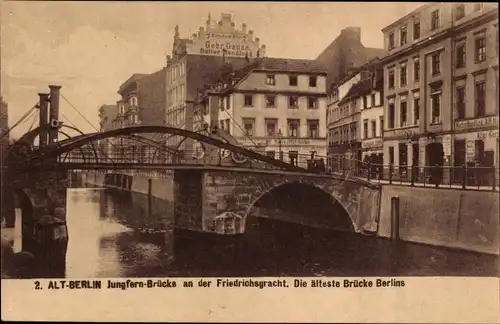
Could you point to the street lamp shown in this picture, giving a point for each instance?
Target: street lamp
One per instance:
(280, 136)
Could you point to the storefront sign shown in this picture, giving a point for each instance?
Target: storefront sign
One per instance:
(407, 132)
(485, 135)
(284, 142)
(372, 143)
(476, 123)
(447, 145)
(225, 41)
(470, 149)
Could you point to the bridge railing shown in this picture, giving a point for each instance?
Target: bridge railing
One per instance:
(458, 177)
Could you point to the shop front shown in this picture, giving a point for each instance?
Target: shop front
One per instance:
(297, 151)
(344, 156)
(476, 145)
(401, 150)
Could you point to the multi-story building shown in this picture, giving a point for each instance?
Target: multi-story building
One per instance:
(4, 127)
(197, 61)
(143, 102)
(107, 121)
(441, 86)
(275, 105)
(356, 99)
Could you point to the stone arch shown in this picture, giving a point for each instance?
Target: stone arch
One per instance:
(343, 220)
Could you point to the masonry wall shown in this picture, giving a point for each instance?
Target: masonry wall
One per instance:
(467, 220)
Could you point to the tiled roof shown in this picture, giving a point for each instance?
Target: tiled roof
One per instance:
(358, 89)
(291, 65)
(133, 78)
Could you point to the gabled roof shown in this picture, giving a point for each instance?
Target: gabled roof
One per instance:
(358, 89)
(133, 78)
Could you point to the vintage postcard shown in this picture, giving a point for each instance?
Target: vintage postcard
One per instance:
(250, 161)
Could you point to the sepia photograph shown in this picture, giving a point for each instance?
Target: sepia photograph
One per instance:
(249, 139)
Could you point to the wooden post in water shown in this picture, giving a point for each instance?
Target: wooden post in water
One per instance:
(395, 218)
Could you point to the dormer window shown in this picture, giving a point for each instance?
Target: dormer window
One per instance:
(270, 79)
(133, 101)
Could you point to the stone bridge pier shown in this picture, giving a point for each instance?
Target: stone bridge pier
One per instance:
(218, 201)
(41, 197)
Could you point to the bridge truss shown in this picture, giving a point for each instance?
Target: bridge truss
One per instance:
(136, 147)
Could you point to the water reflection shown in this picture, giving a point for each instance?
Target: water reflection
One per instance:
(119, 234)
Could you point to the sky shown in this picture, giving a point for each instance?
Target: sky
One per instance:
(90, 48)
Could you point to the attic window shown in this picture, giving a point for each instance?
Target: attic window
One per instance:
(270, 79)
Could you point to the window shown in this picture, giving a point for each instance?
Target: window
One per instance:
(460, 109)
(228, 126)
(248, 100)
(313, 128)
(436, 106)
(434, 20)
(313, 81)
(391, 79)
(293, 80)
(271, 154)
(391, 154)
(416, 110)
(270, 79)
(478, 6)
(391, 116)
(391, 41)
(480, 91)
(460, 58)
(270, 101)
(271, 125)
(365, 129)
(459, 11)
(416, 29)
(248, 125)
(480, 49)
(293, 102)
(222, 124)
(312, 103)
(135, 118)
(374, 128)
(381, 125)
(365, 102)
(373, 103)
(221, 104)
(402, 75)
(403, 114)
(293, 127)
(416, 70)
(403, 32)
(436, 64)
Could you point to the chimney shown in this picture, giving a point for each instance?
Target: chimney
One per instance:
(44, 116)
(352, 33)
(54, 113)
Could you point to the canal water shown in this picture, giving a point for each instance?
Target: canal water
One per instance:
(122, 234)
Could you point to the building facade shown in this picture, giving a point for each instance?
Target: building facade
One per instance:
(277, 106)
(196, 62)
(354, 116)
(440, 81)
(107, 122)
(143, 102)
